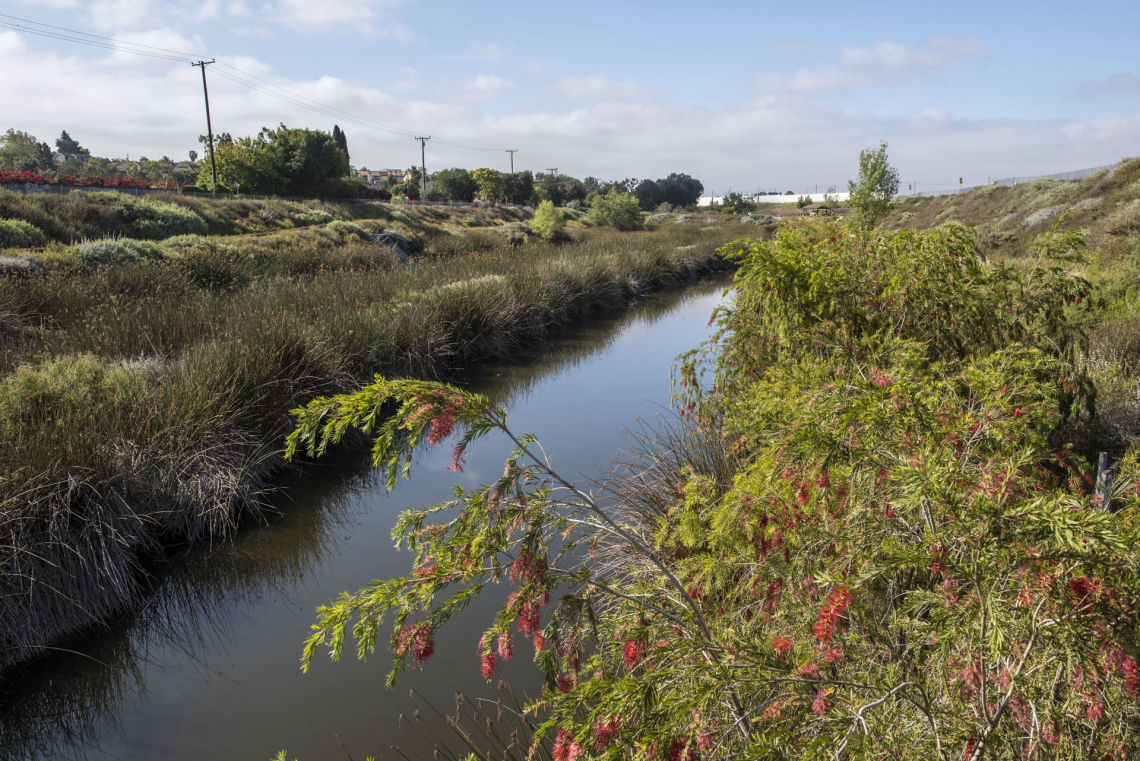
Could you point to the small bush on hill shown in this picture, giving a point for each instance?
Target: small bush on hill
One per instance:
(156, 220)
(209, 263)
(345, 230)
(549, 223)
(108, 250)
(312, 217)
(616, 209)
(16, 233)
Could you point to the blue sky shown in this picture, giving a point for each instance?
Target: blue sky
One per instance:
(742, 95)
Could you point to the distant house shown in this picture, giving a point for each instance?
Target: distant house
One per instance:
(380, 176)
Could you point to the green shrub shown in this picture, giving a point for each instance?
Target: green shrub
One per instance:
(16, 233)
(348, 230)
(110, 250)
(549, 223)
(156, 220)
(312, 217)
(616, 209)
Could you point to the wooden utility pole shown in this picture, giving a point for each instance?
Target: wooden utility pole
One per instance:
(553, 172)
(423, 159)
(512, 151)
(209, 127)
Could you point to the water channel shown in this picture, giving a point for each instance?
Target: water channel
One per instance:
(209, 669)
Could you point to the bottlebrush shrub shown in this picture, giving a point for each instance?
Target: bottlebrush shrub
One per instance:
(903, 565)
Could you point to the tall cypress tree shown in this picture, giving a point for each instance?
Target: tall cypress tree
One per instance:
(341, 140)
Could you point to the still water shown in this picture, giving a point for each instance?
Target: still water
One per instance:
(209, 669)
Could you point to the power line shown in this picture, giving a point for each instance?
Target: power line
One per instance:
(232, 73)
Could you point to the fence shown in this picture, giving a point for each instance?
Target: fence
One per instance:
(1009, 182)
(36, 188)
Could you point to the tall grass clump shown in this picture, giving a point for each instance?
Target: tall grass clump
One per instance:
(144, 400)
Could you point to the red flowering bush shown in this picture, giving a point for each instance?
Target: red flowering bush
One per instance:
(905, 561)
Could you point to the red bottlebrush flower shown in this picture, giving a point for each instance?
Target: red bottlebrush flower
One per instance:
(1131, 683)
(442, 426)
(426, 569)
(782, 645)
(823, 481)
(832, 655)
(418, 640)
(632, 654)
(1017, 412)
(803, 494)
(819, 706)
(566, 748)
(829, 615)
(880, 378)
(565, 683)
(528, 617)
(604, 732)
(539, 643)
(505, 647)
(458, 459)
(486, 658)
(1085, 590)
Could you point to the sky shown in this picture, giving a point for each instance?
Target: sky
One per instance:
(745, 96)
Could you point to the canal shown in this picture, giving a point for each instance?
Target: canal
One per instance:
(209, 668)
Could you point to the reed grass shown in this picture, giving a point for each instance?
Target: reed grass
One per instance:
(142, 399)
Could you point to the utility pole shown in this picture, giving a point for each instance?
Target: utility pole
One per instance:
(423, 159)
(209, 127)
(512, 151)
(553, 171)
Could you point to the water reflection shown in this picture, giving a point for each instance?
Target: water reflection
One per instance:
(208, 667)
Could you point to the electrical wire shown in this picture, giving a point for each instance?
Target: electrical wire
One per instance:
(224, 69)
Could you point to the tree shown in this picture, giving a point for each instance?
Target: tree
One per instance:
(74, 156)
(616, 209)
(681, 190)
(492, 187)
(21, 152)
(735, 203)
(520, 187)
(878, 182)
(649, 194)
(549, 189)
(548, 222)
(342, 141)
(454, 185)
(284, 161)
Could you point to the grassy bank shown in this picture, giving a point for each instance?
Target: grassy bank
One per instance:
(144, 386)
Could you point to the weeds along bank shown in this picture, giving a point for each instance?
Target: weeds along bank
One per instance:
(145, 385)
(873, 538)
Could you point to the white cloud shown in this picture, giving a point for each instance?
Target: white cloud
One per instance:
(477, 89)
(882, 63)
(157, 40)
(11, 43)
(111, 15)
(362, 16)
(594, 86)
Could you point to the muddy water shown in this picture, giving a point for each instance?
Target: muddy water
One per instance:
(209, 669)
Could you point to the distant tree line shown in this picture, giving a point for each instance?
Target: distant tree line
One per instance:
(23, 152)
(455, 184)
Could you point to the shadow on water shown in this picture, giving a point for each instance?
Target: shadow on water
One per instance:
(71, 704)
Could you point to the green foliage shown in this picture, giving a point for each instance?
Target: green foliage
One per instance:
(156, 220)
(115, 250)
(519, 187)
(877, 184)
(492, 185)
(16, 233)
(616, 209)
(735, 203)
(549, 223)
(412, 186)
(283, 161)
(803, 201)
(22, 152)
(891, 555)
(346, 230)
(312, 217)
(454, 185)
(207, 262)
